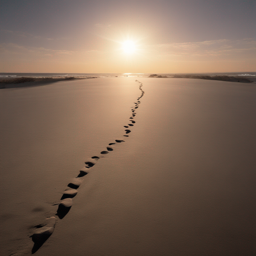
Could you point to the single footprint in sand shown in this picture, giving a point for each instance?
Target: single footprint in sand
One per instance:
(64, 207)
(90, 163)
(75, 183)
(127, 131)
(82, 173)
(119, 141)
(42, 233)
(69, 193)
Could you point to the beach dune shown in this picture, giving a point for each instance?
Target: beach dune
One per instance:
(182, 182)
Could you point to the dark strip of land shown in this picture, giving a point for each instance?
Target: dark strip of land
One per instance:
(32, 81)
(206, 77)
(219, 78)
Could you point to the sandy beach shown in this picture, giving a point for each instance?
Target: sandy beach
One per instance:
(182, 182)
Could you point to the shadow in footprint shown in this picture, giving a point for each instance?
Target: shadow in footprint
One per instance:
(126, 135)
(42, 233)
(62, 211)
(64, 207)
(69, 194)
(111, 144)
(64, 196)
(104, 152)
(89, 164)
(37, 245)
(75, 183)
(127, 131)
(119, 141)
(130, 125)
(110, 149)
(125, 126)
(74, 186)
(82, 174)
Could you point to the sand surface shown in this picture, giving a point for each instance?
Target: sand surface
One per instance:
(182, 183)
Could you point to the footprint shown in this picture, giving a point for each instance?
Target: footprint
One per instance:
(75, 183)
(127, 131)
(130, 124)
(125, 126)
(110, 149)
(131, 117)
(126, 135)
(82, 173)
(104, 152)
(119, 141)
(43, 233)
(70, 193)
(64, 207)
(111, 144)
(133, 121)
(91, 162)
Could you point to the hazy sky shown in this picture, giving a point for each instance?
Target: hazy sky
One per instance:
(86, 36)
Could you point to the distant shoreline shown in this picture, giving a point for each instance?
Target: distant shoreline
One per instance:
(207, 77)
(30, 81)
(18, 82)
(218, 78)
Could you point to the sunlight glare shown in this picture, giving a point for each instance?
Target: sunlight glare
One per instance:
(129, 46)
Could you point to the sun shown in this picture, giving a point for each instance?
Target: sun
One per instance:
(129, 47)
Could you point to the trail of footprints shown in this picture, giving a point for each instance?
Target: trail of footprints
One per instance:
(42, 233)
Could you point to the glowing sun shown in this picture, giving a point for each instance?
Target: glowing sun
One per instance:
(129, 47)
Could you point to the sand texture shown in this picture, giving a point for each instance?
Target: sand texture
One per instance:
(113, 166)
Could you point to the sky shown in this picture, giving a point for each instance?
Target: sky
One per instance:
(168, 36)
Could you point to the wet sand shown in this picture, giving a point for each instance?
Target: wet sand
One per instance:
(182, 183)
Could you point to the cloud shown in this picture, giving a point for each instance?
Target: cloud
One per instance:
(207, 48)
(24, 35)
(16, 49)
(8, 50)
